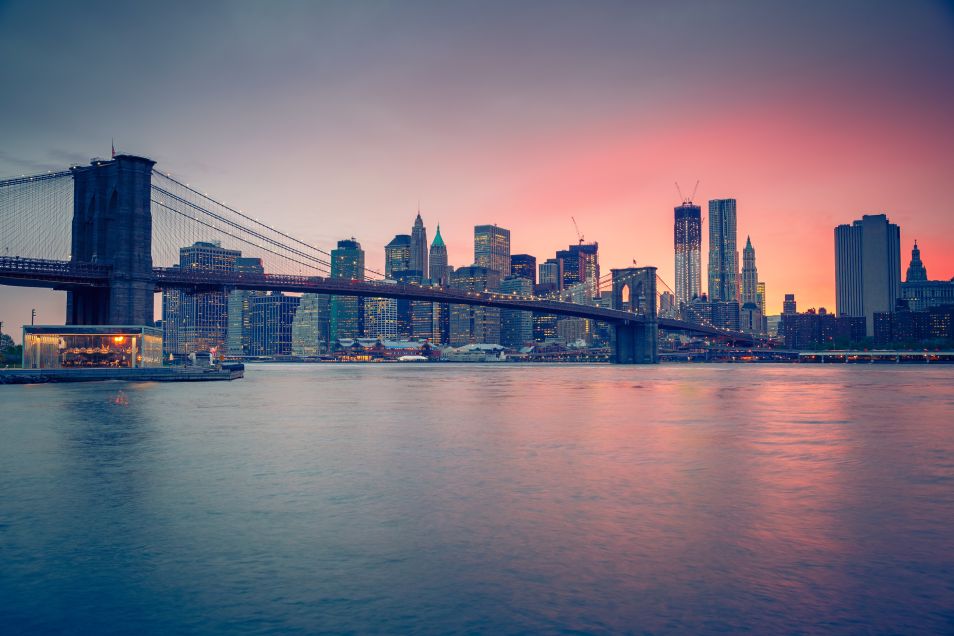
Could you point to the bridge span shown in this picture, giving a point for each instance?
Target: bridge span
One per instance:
(114, 238)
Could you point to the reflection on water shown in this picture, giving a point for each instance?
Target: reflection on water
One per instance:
(496, 498)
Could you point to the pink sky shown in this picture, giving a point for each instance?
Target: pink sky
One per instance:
(335, 120)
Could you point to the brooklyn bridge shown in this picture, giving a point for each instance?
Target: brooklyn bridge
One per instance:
(109, 234)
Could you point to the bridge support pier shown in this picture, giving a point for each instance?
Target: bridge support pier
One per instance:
(635, 343)
(112, 225)
(634, 289)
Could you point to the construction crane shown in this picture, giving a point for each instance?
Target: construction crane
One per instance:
(577, 228)
(684, 200)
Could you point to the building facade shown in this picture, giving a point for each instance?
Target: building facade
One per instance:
(932, 327)
(551, 273)
(820, 330)
(194, 322)
(867, 268)
(687, 238)
(347, 312)
(723, 251)
(397, 255)
(789, 306)
(311, 328)
(524, 266)
(437, 261)
(270, 324)
(419, 255)
(492, 248)
(237, 338)
(470, 324)
(516, 327)
(919, 293)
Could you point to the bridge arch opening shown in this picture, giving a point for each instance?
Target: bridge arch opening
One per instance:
(625, 293)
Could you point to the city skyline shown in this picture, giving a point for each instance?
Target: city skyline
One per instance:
(789, 140)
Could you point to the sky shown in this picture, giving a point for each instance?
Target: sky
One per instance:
(338, 119)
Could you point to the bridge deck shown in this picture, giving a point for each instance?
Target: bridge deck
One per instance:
(67, 274)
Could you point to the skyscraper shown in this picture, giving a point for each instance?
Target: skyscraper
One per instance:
(469, 324)
(311, 325)
(551, 273)
(524, 266)
(419, 246)
(198, 321)
(723, 252)
(438, 259)
(581, 264)
(237, 338)
(398, 255)
(867, 267)
(916, 270)
(750, 275)
(492, 248)
(347, 261)
(516, 327)
(687, 234)
(381, 318)
(270, 324)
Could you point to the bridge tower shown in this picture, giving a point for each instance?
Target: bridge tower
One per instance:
(112, 225)
(634, 289)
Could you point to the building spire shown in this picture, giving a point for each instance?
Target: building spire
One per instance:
(438, 239)
(916, 270)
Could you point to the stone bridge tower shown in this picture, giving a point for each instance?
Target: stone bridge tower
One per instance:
(634, 289)
(112, 225)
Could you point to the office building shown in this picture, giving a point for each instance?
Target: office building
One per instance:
(198, 321)
(437, 264)
(789, 306)
(405, 307)
(311, 328)
(492, 248)
(867, 267)
(430, 321)
(667, 305)
(760, 302)
(687, 236)
(551, 273)
(516, 327)
(382, 318)
(524, 266)
(469, 324)
(397, 255)
(347, 315)
(237, 337)
(580, 264)
(419, 255)
(723, 252)
(270, 324)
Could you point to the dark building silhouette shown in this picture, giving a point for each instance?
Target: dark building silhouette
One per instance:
(524, 266)
(821, 330)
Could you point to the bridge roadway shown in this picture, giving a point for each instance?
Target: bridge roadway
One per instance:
(65, 275)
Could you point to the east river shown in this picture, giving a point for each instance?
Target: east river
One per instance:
(496, 499)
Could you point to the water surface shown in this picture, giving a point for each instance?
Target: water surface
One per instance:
(483, 498)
